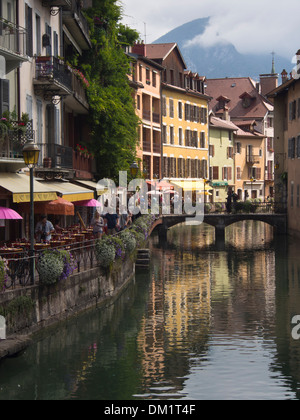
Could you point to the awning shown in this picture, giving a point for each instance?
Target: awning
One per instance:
(189, 185)
(91, 185)
(71, 192)
(19, 186)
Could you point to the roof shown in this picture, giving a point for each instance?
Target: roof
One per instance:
(162, 51)
(282, 88)
(235, 90)
(218, 123)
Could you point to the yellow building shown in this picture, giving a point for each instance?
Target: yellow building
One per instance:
(184, 116)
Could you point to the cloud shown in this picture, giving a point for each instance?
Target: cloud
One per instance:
(251, 26)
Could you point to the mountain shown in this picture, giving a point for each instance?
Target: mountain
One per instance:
(220, 60)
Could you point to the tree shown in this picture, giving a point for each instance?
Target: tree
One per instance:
(112, 110)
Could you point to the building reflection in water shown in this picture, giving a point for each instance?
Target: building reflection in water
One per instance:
(199, 295)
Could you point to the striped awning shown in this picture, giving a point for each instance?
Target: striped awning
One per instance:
(189, 185)
(71, 192)
(19, 186)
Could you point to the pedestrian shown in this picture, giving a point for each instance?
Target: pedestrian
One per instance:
(44, 229)
(112, 220)
(97, 224)
(228, 202)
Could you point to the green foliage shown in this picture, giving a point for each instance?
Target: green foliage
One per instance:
(112, 110)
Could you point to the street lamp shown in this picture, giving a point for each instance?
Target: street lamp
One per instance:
(134, 168)
(31, 155)
(252, 180)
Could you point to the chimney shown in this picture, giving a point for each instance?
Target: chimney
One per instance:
(268, 82)
(139, 49)
(284, 76)
(226, 116)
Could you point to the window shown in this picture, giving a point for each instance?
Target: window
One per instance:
(55, 42)
(238, 173)
(154, 78)
(187, 112)
(292, 194)
(227, 173)
(171, 134)
(28, 27)
(138, 103)
(164, 106)
(238, 147)
(180, 110)
(202, 140)
(229, 152)
(164, 134)
(38, 34)
(140, 73)
(148, 81)
(291, 148)
(180, 137)
(298, 147)
(49, 45)
(292, 110)
(211, 150)
(215, 172)
(171, 108)
(203, 115)
(187, 138)
(270, 144)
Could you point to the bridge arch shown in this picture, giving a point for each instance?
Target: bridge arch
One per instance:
(221, 221)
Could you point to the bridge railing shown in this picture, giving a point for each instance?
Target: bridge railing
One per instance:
(249, 206)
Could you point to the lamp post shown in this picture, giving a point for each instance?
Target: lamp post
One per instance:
(251, 180)
(31, 155)
(134, 168)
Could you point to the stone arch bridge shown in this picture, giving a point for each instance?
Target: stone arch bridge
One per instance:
(221, 221)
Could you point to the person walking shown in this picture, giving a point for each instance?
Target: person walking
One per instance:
(97, 224)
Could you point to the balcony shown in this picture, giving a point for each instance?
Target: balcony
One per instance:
(78, 100)
(77, 25)
(253, 159)
(64, 4)
(11, 146)
(52, 78)
(55, 156)
(82, 165)
(12, 44)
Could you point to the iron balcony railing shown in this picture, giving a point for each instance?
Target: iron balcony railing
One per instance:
(53, 70)
(13, 141)
(55, 156)
(12, 37)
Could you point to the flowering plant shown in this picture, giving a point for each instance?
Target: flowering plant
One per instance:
(84, 151)
(55, 265)
(3, 273)
(50, 267)
(105, 252)
(81, 77)
(129, 241)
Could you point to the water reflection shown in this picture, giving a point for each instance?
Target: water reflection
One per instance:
(202, 324)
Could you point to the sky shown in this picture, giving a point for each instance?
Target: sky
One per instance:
(256, 26)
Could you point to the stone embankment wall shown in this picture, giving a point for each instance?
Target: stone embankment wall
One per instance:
(33, 308)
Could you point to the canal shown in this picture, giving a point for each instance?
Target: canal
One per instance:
(206, 322)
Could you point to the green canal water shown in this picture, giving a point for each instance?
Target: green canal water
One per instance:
(206, 322)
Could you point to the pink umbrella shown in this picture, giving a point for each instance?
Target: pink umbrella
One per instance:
(88, 203)
(6, 213)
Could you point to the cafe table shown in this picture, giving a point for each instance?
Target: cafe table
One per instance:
(56, 244)
(10, 251)
(41, 246)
